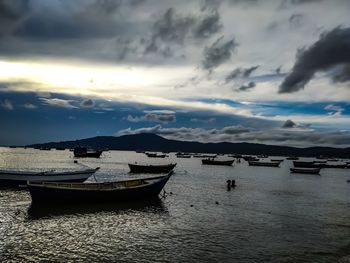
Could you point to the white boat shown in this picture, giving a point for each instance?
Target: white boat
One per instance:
(10, 177)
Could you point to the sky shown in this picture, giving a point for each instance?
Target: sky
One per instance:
(261, 71)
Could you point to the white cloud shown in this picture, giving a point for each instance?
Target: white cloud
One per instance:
(58, 103)
(7, 104)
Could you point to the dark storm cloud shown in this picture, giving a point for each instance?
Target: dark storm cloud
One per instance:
(342, 74)
(218, 53)
(240, 73)
(207, 26)
(332, 49)
(153, 117)
(289, 124)
(174, 28)
(10, 13)
(87, 103)
(247, 86)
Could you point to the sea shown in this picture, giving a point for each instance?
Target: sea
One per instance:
(271, 216)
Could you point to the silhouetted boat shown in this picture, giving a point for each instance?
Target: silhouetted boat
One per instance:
(211, 161)
(292, 158)
(305, 170)
(163, 168)
(305, 164)
(45, 149)
(270, 164)
(250, 158)
(155, 155)
(21, 177)
(84, 152)
(122, 191)
(60, 148)
(277, 160)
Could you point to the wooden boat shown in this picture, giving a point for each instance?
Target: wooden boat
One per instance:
(211, 161)
(155, 155)
(21, 177)
(305, 164)
(82, 152)
(305, 170)
(163, 168)
(122, 191)
(270, 164)
(250, 158)
(277, 160)
(45, 149)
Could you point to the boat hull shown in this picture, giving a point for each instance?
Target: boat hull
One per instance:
(45, 194)
(216, 162)
(305, 170)
(96, 154)
(14, 179)
(271, 164)
(135, 168)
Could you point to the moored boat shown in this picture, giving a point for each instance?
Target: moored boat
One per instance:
(156, 155)
(277, 160)
(162, 168)
(121, 191)
(82, 152)
(15, 178)
(292, 158)
(270, 164)
(306, 164)
(212, 161)
(305, 170)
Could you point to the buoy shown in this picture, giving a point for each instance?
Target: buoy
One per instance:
(217, 202)
(191, 205)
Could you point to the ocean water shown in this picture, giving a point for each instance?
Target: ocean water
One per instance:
(271, 216)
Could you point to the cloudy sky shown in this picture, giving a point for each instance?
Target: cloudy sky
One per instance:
(273, 72)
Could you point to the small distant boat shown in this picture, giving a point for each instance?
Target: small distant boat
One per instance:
(270, 164)
(8, 177)
(122, 191)
(305, 164)
(183, 156)
(277, 160)
(163, 168)
(332, 160)
(319, 161)
(82, 152)
(45, 149)
(211, 161)
(305, 170)
(155, 155)
(292, 158)
(250, 158)
(60, 148)
(204, 156)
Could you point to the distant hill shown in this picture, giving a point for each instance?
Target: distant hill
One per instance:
(152, 142)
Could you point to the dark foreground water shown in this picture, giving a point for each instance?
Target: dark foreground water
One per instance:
(272, 216)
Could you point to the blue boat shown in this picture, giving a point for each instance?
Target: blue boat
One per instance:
(121, 191)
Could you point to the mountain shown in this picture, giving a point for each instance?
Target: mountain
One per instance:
(152, 142)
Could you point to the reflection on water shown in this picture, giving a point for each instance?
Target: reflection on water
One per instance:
(271, 216)
(38, 211)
